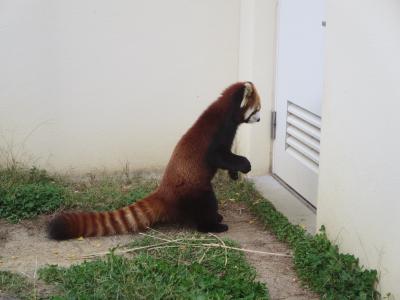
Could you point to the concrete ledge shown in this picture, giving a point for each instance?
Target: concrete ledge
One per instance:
(284, 201)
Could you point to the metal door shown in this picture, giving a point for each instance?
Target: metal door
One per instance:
(299, 86)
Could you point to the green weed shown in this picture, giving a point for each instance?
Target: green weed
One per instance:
(317, 261)
(25, 193)
(28, 192)
(107, 192)
(15, 286)
(19, 175)
(186, 271)
(27, 201)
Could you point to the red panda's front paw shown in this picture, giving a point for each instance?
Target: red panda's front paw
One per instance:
(245, 166)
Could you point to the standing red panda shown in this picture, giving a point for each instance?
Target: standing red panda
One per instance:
(185, 192)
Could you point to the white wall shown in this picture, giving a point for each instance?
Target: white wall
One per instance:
(257, 64)
(359, 171)
(98, 83)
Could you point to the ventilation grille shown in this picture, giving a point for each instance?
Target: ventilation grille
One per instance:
(303, 132)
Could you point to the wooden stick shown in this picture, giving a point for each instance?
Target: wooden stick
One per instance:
(252, 251)
(177, 240)
(161, 245)
(204, 255)
(93, 255)
(223, 244)
(159, 232)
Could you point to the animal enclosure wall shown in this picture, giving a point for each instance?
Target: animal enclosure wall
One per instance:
(359, 169)
(90, 83)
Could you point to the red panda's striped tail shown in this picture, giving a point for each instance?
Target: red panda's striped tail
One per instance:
(133, 218)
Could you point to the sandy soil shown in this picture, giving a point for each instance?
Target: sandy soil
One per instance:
(24, 248)
(276, 272)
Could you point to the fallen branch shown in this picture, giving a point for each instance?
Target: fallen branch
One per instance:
(94, 255)
(183, 241)
(223, 244)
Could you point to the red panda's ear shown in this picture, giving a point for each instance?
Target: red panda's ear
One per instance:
(248, 90)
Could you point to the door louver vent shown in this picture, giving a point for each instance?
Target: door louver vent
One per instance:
(303, 133)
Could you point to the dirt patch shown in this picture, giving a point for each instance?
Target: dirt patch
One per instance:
(276, 272)
(25, 247)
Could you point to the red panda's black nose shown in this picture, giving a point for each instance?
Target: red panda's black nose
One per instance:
(258, 120)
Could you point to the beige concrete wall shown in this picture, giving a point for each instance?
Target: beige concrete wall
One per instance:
(98, 83)
(359, 169)
(257, 63)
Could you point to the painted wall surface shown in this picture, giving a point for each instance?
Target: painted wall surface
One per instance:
(359, 170)
(100, 83)
(257, 63)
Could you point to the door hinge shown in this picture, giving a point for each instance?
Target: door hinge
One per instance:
(273, 125)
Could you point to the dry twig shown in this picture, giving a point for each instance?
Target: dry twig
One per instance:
(186, 241)
(223, 244)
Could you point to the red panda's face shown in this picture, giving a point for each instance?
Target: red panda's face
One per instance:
(250, 106)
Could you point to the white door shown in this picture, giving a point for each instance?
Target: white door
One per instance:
(299, 85)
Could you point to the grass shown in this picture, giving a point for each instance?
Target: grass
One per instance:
(28, 192)
(107, 191)
(318, 262)
(15, 285)
(183, 271)
(29, 200)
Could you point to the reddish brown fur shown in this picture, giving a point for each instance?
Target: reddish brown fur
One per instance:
(187, 176)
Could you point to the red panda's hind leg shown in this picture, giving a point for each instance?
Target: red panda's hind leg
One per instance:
(219, 218)
(206, 214)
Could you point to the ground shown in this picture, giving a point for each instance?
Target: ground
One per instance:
(25, 248)
(193, 266)
(276, 272)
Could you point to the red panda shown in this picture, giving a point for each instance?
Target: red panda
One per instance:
(185, 192)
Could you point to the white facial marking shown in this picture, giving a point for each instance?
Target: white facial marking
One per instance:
(248, 112)
(244, 101)
(254, 118)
